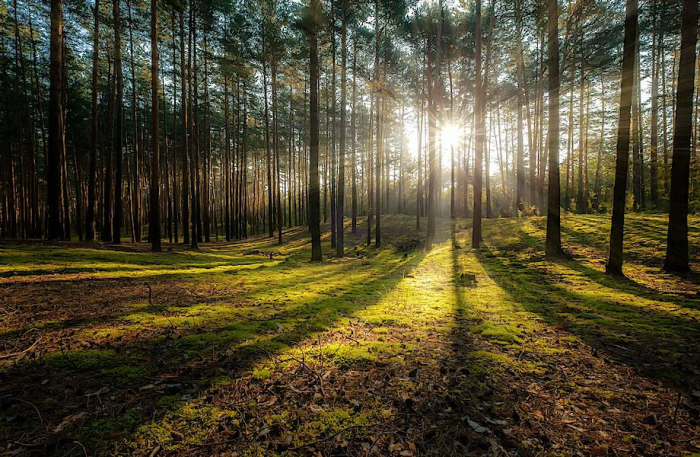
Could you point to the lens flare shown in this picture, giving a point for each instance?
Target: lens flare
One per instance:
(450, 135)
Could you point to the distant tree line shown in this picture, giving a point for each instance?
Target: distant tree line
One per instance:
(244, 117)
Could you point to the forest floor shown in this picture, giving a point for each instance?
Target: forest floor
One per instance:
(247, 348)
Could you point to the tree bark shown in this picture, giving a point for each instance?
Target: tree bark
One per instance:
(677, 244)
(340, 206)
(479, 139)
(154, 225)
(553, 241)
(614, 265)
(90, 213)
(56, 143)
(314, 194)
(118, 104)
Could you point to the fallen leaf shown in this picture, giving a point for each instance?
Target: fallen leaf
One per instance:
(68, 421)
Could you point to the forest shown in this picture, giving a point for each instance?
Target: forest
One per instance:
(349, 227)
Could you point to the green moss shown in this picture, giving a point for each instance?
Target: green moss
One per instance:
(501, 333)
(170, 402)
(99, 432)
(187, 426)
(123, 374)
(490, 356)
(331, 421)
(261, 374)
(83, 359)
(349, 355)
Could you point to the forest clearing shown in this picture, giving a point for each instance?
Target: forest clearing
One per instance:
(349, 228)
(247, 348)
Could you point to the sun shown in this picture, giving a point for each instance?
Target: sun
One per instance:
(450, 135)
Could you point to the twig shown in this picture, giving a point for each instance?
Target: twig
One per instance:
(41, 421)
(81, 445)
(330, 437)
(15, 354)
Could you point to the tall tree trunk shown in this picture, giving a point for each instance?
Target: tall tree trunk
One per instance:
(353, 137)
(379, 126)
(154, 223)
(314, 194)
(637, 132)
(598, 166)
(173, 202)
(275, 125)
(453, 213)
(340, 206)
(332, 171)
(185, 138)
(653, 148)
(226, 163)
(614, 265)
(118, 135)
(664, 120)
(522, 90)
(677, 244)
(553, 242)
(204, 151)
(268, 152)
(419, 160)
(137, 200)
(108, 157)
(195, 188)
(56, 143)
(581, 203)
(90, 214)
(479, 139)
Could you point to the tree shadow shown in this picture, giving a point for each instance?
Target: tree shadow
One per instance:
(229, 349)
(662, 345)
(686, 298)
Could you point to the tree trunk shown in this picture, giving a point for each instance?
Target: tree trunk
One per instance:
(90, 213)
(118, 104)
(598, 166)
(154, 223)
(378, 158)
(268, 153)
(553, 243)
(653, 148)
(614, 265)
(314, 194)
(185, 138)
(353, 137)
(275, 125)
(137, 200)
(56, 144)
(677, 245)
(581, 203)
(479, 139)
(340, 206)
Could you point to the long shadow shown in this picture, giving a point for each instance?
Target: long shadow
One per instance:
(170, 293)
(635, 231)
(467, 417)
(626, 285)
(660, 344)
(234, 351)
(168, 289)
(630, 286)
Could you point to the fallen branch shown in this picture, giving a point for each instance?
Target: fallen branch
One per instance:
(16, 354)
